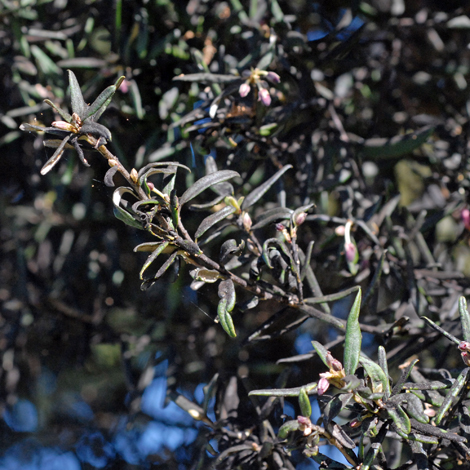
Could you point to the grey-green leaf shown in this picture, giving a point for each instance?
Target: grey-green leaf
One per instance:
(212, 219)
(376, 374)
(304, 403)
(78, 103)
(97, 108)
(158, 251)
(321, 351)
(464, 318)
(258, 192)
(353, 338)
(400, 419)
(206, 182)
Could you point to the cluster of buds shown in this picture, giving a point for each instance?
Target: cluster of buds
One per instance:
(334, 377)
(255, 77)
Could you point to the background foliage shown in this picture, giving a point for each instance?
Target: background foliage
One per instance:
(87, 356)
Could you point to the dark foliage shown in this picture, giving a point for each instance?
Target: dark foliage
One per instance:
(290, 186)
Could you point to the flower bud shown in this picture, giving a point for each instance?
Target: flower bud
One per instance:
(273, 77)
(134, 175)
(247, 222)
(465, 216)
(300, 218)
(323, 386)
(333, 363)
(244, 89)
(350, 251)
(264, 97)
(64, 126)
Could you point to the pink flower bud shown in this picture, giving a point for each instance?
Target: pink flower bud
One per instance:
(64, 126)
(273, 77)
(323, 386)
(304, 420)
(350, 251)
(300, 219)
(465, 216)
(247, 222)
(333, 363)
(264, 97)
(244, 89)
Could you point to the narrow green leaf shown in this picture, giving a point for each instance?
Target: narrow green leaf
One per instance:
(452, 395)
(225, 318)
(288, 427)
(464, 318)
(382, 359)
(396, 146)
(415, 408)
(272, 215)
(321, 351)
(258, 192)
(100, 104)
(304, 403)
(65, 116)
(213, 219)
(400, 419)
(121, 213)
(310, 388)
(155, 254)
(56, 157)
(353, 338)
(227, 291)
(206, 182)
(207, 78)
(380, 382)
(79, 105)
(147, 247)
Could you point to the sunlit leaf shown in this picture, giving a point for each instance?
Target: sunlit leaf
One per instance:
(353, 338)
(258, 192)
(213, 219)
(206, 182)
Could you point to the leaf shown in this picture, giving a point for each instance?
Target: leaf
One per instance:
(304, 403)
(272, 215)
(258, 192)
(121, 213)
(205, 275)
(310, 388)
(163, 269)
(65, 116)
(415, 408)
(206, 182)
(452, 395)
(146, 247)
(396, 146)
(78, 103)
(97, 108)
(376, 374)
(382, 359)
(212, 219)
(321, 351)
(156, 253)
(226, 304)
(207, 78)
(229, 249)
(400, 419)
(288, 427)
(353, 338)
(108, 177)
(56, 157)
(464, 318)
